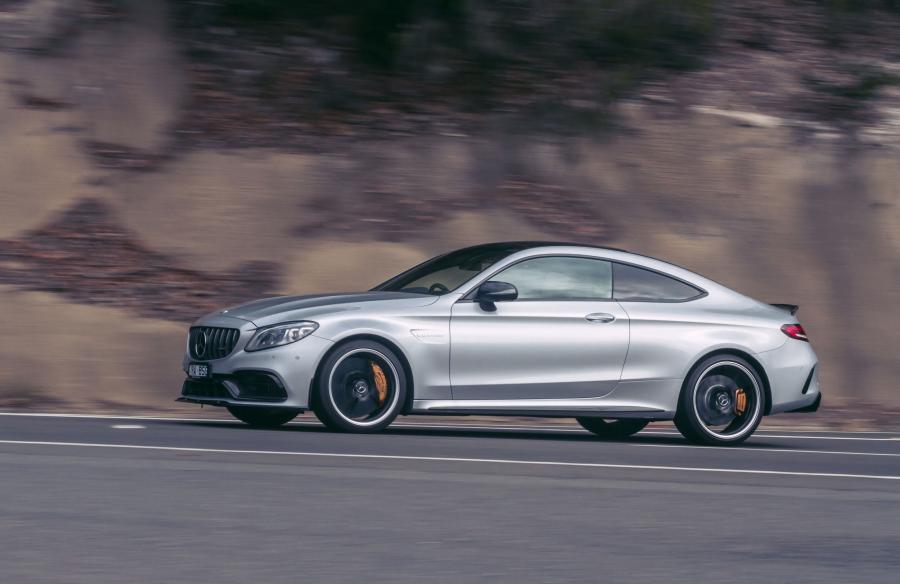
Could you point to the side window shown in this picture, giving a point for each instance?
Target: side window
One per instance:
(560, 278)
(636, 284)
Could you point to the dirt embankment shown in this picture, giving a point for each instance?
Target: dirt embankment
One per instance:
(122, 216)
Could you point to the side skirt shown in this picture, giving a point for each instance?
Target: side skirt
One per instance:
(575, 408)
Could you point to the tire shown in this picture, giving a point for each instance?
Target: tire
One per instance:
(612, 429)
(709, 399)
(348, 394)
(263, 417)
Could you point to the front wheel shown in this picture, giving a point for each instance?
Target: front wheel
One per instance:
(263, 417)
(361, 387)
(612, 429)
(722, 402)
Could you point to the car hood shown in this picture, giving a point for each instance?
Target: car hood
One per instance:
(269, 311)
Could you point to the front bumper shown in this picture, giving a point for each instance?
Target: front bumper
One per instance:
(281, 376)
(251, 386)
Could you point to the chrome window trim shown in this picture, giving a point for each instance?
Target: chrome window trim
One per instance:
(469, 295)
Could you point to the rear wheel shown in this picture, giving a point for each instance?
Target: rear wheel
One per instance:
(263, 417)
(722, 402)
(612, 429)
(361, 388)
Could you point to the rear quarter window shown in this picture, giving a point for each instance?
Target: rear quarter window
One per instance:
(633, 284)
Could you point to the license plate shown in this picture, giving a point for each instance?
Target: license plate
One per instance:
(199, 370)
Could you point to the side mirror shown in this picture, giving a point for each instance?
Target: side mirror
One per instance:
(491, 292)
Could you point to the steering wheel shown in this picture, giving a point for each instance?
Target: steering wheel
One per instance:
(437, 288)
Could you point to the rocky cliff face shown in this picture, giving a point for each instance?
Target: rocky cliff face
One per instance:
(773, 167)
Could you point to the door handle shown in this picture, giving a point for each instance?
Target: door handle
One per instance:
(599, 317)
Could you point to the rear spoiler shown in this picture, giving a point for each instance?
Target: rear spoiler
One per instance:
(792, 308)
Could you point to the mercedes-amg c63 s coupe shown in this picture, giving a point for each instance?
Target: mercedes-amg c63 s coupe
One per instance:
(611, 338)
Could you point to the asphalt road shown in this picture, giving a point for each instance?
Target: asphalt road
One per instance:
(97, 500)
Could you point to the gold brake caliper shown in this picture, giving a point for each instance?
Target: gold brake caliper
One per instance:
(381, 382)
(740, 401)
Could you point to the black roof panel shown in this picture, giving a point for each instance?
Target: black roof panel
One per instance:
(522, 245)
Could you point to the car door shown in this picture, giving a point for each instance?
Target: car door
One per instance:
(563, 337)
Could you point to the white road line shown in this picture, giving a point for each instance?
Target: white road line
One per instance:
(115, 417)
(892, 436)
(573, 428)
(750, 448)
(792, 436)
(729, 449)
(757, 434)
(309, 424)
(457, 459)
(127, 427)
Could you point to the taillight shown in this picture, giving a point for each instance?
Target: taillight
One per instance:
(795, 331)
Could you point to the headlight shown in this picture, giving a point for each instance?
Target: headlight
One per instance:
(280, 334)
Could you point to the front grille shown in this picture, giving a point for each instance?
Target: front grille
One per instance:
(209, 342)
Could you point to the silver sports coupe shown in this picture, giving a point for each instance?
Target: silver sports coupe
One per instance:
(611, 338)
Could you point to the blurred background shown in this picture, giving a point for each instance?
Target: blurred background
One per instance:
(159, 160)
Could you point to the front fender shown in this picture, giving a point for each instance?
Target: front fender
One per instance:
(423, 341)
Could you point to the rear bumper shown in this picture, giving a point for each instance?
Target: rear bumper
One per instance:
(813, 407)
(793, 375)
(802, 398)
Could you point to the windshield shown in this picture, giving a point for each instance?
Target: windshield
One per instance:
(448, 272)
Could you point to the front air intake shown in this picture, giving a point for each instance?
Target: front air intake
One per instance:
(208, 342)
